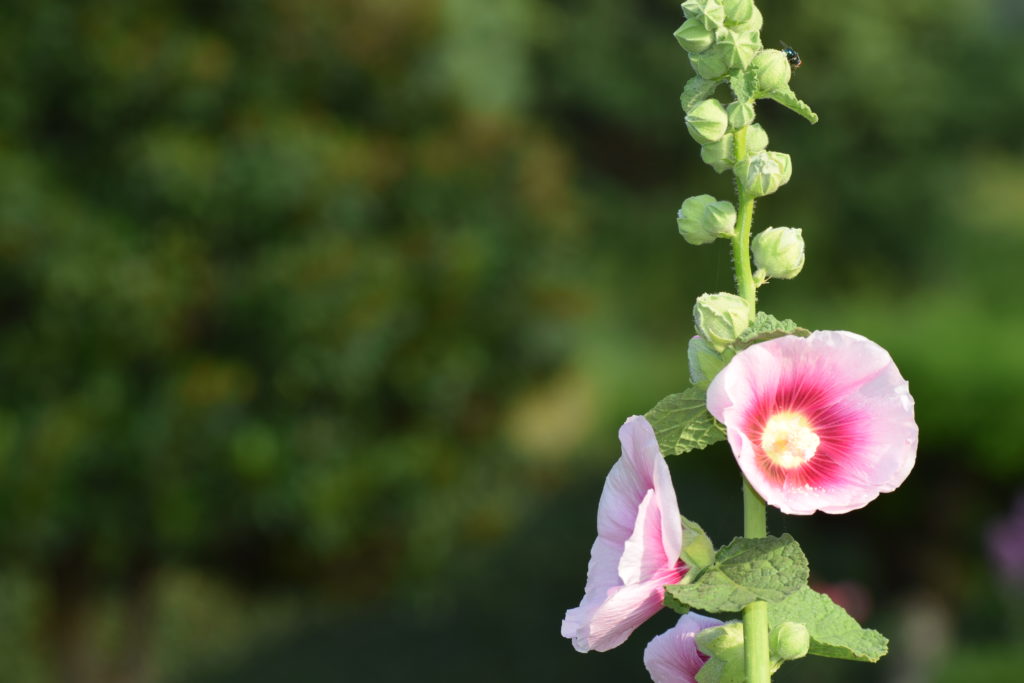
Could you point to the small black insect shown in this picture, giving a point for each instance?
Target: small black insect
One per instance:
(792, 55)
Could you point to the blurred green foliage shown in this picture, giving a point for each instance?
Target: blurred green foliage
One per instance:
(329, 297)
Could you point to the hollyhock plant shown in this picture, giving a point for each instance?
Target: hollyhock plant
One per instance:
(673, 656)
(817, 421)
(636, 554)
(824, 422)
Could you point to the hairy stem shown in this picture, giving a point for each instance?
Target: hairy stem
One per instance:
(755, 615)
(741, 240)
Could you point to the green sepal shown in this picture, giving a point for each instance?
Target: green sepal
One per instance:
(697, 551)
(682, 423)
(766, 326)
(720, 155)
(718, 670)
(787, 98)
(833, 632)
(695, 91)
(705, 363)
(724, 647)
(748, 569)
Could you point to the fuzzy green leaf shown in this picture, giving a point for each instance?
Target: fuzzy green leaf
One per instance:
(743, 85)
(746, 570)
(682, 423)
(834, 633)
(787, 98)
(765, 327)
(696, 90)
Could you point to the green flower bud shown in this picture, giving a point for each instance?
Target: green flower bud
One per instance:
(707, 121)
(710, 13)
(789, 640)
(738, 48)
(690, 219)
(757, 139)
(719, 155)
(721, 318)
(779, 252)
(694, 37)
(763, 173)
(720, 217)
(741, 114)
(704, 361)
(697, 550)
(771, 67)
(701, 219)
(720, 641)
(738, 11)
(754, 23)
(711, 64)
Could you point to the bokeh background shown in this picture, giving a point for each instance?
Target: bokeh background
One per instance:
(318, 319)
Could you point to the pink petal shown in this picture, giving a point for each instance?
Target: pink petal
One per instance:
(604, 623)
(673, 656)
(640, 468)
(643, 553)
(858, 404)
(636, 552)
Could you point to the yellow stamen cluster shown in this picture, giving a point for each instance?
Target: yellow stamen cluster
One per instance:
(789, 440)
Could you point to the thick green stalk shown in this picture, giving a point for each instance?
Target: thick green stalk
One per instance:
(755, 615)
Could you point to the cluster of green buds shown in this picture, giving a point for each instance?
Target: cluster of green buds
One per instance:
(723, 647)
(723, 41)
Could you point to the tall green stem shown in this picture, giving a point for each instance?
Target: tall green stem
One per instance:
(755, 615)
(741, 240)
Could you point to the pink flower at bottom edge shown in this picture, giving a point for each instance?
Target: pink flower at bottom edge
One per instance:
(673, 656)
(824, 422)
(636, 554)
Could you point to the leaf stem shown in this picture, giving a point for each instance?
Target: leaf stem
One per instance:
(755, 615)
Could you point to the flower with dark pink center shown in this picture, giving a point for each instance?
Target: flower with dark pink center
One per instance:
(824, 422)
(636, 554)
(673, 656)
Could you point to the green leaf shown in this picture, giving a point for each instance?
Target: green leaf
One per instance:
(746, 570)
(682, 423)
(787, 98)
(674, 605)
(765, 327)
(834, 633)
(696, 90)
(743, 85)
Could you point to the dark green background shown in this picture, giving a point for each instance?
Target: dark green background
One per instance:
(319, 319)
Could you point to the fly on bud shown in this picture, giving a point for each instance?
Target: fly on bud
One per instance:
(792, 55)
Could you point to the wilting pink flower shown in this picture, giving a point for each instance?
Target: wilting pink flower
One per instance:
(824, 422)
(636, 554)
(673, 656)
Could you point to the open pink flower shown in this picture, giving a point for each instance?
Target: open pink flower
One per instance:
(673, 656)
(636, 554)
(824, 422)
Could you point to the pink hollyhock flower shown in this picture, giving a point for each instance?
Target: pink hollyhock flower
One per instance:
(636, 554)
(824, 422)
(673, 656)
